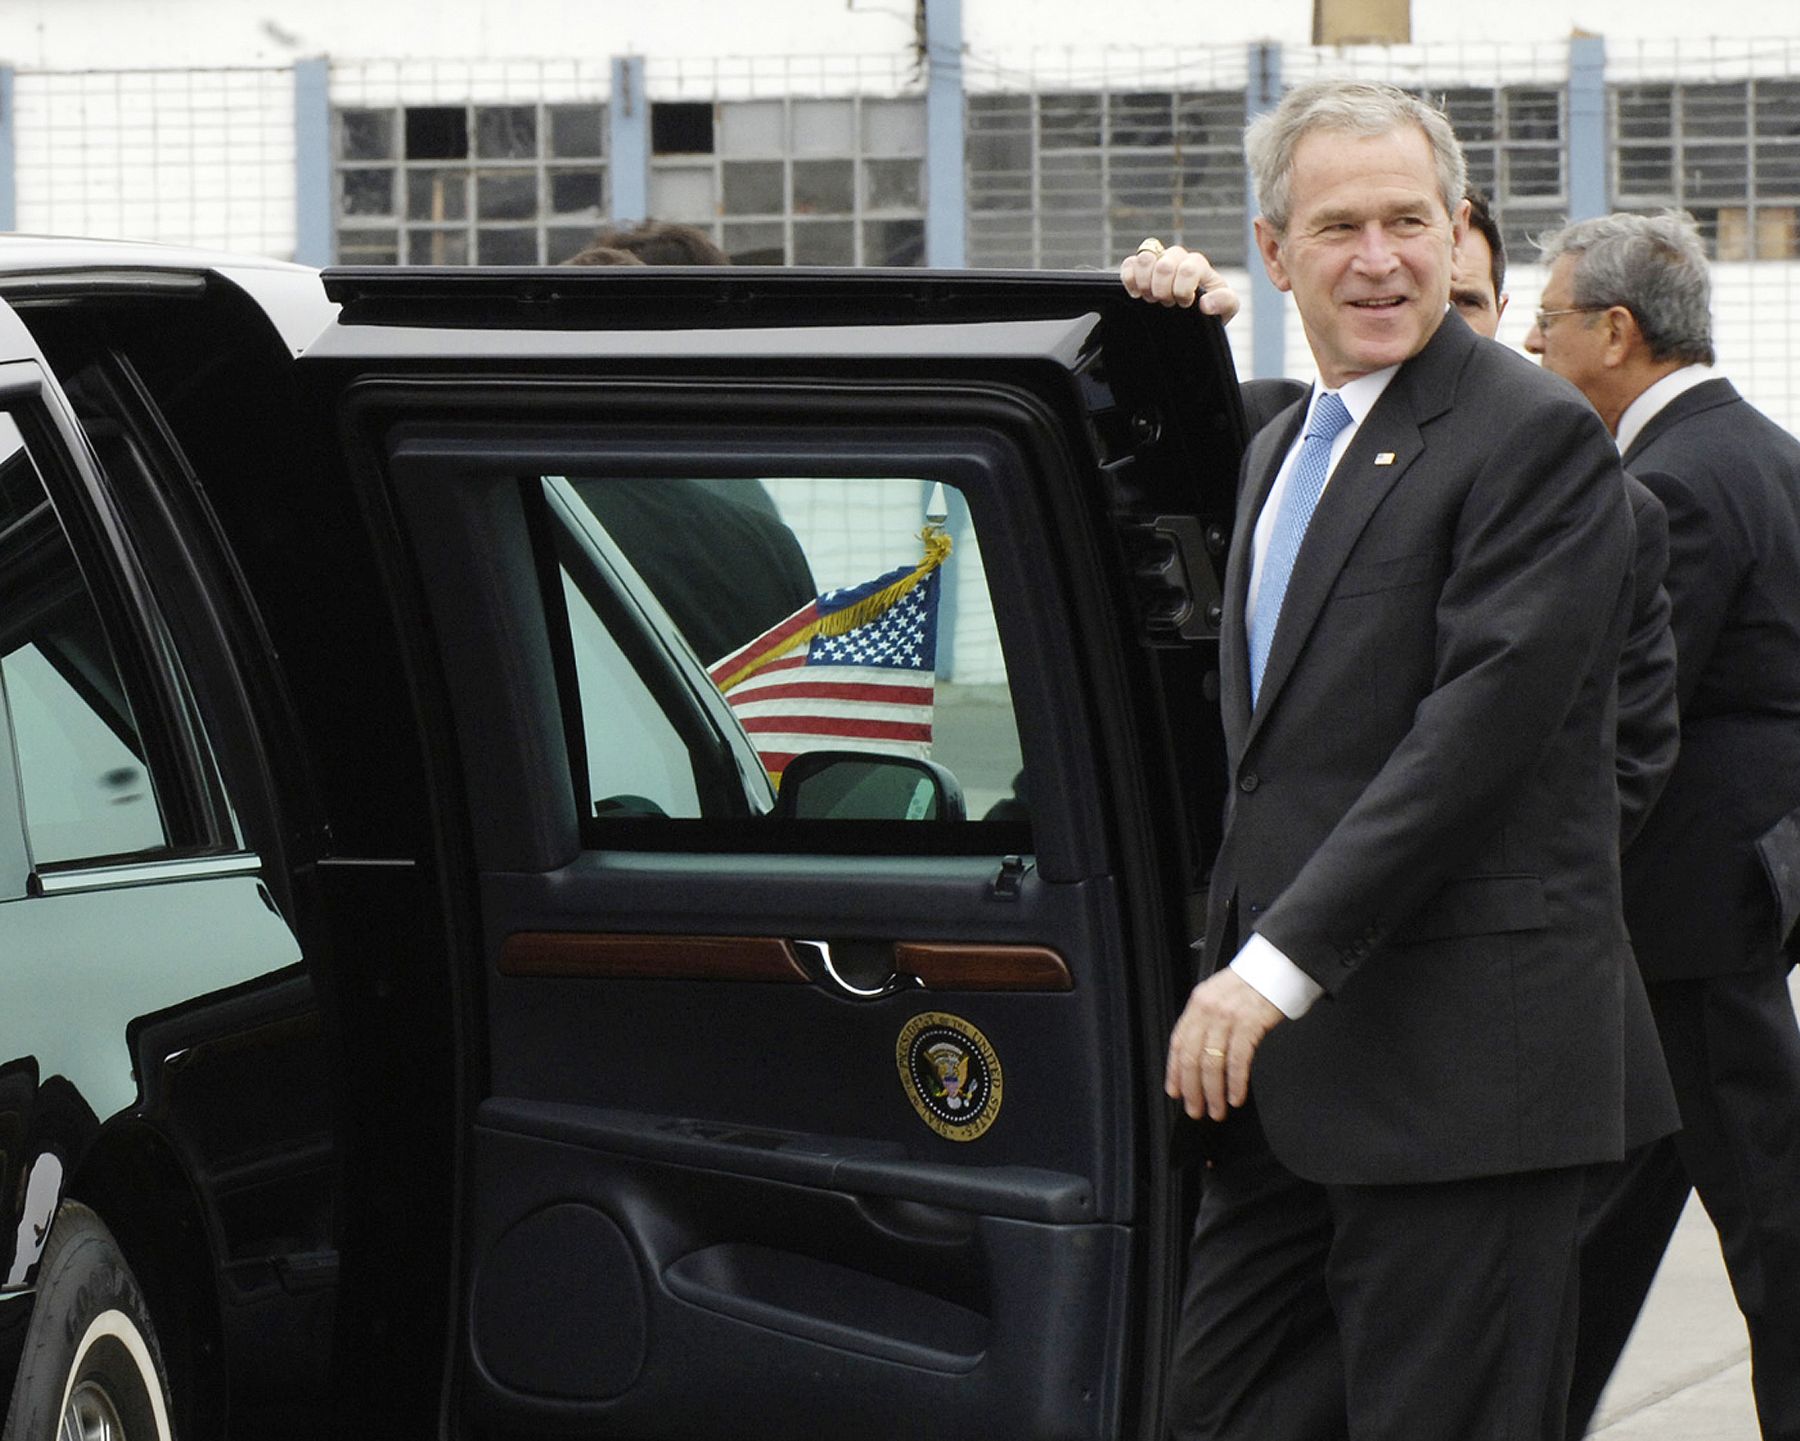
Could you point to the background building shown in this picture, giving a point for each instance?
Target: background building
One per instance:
(877, 132)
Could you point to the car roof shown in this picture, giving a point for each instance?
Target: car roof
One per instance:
(20, 254)
(52, 268)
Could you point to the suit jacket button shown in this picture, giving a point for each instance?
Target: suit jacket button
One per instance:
(1247, 781)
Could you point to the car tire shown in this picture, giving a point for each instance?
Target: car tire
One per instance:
(91, 1369)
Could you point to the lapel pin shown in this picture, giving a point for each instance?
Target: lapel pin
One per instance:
(1385, 458)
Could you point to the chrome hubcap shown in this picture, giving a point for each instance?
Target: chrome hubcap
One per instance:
(90, 1416)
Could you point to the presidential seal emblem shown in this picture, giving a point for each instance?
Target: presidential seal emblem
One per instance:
(950, 1074)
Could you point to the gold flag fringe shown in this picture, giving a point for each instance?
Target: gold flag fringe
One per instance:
(841, 622)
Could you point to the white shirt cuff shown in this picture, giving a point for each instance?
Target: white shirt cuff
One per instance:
(1275, 978)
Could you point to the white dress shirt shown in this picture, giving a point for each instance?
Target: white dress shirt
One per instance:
(1644, 409)
(1260, 963)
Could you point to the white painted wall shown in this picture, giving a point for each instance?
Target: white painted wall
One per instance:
(84, 34)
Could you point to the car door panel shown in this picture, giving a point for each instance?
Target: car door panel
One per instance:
(899, 1313)
(704, 1194)
(808, 1056)
(782, 1274)
(793, 1212)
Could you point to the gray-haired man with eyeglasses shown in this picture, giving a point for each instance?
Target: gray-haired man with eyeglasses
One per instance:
(1712, 883)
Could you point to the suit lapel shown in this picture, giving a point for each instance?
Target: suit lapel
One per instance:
(1383, 451)
(1704, 396)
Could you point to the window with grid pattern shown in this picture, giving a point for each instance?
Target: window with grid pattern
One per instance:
(1729, 152)
(1079, 178)
(1513, 138)
(795, 181)
(521, 184)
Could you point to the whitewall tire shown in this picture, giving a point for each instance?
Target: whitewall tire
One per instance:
(91, 1370)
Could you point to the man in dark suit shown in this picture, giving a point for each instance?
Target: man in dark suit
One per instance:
(1625, 316)
(1648, 731)
(1425, 602)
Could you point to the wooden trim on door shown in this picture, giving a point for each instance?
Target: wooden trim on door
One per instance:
(949, 967)
(576, 954)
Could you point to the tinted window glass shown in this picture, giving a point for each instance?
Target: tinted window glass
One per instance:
(842, 614)
(87, 790)
(637, 762)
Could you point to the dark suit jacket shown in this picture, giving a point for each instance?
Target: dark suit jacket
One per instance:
(1649, 729)
(1266, 399)
(725, 570)
(1649, 733)
(1424, 815)
(1696, 895)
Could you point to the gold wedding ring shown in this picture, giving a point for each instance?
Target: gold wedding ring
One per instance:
(1150, 246)
(1213, 1051)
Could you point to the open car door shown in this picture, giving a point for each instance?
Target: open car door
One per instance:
(832, 1109)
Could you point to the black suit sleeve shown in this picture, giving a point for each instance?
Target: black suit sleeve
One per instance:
(1649, 728)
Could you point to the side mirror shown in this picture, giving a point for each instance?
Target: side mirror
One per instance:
(852, 786)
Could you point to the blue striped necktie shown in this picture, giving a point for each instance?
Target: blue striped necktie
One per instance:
(1304, 488)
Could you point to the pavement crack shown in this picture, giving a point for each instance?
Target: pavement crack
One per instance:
(1682, 1381)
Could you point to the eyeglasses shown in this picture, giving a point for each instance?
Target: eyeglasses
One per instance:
(1544, 317)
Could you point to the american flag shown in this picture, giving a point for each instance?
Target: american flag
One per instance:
(852, 670)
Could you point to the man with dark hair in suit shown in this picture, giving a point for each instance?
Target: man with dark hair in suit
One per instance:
(603, 255)
(663, 242)
(1410, 1035)
(1626, 316)
(1478, 275)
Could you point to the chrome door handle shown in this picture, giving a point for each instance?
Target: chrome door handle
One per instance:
(834, 979)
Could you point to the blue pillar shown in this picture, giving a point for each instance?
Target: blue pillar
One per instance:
(1587, 127)
(312, 162)
(629, 118)
(9, 195)
(946, 112)
(1268, 306)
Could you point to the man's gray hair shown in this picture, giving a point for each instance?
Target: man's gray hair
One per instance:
(1654, 266)
(1350, 107)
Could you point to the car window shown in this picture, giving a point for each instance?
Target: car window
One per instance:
(80, 759)
(636, 761)
(825, 613)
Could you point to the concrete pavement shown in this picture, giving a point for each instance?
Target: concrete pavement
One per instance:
(1685, 1376)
